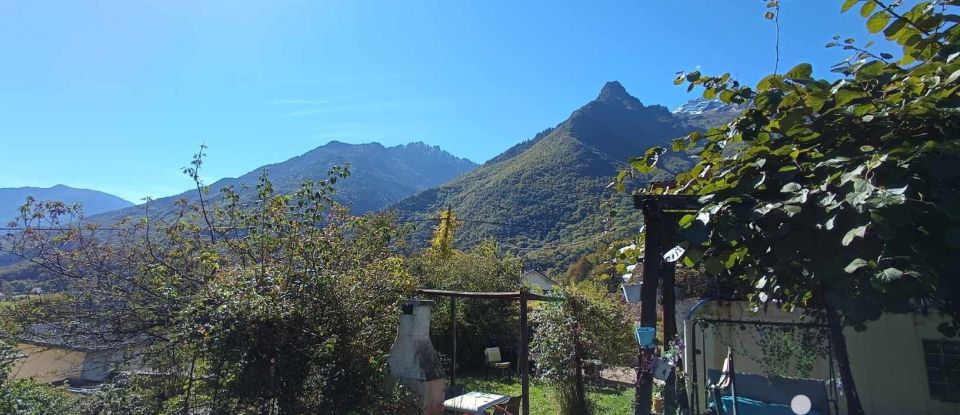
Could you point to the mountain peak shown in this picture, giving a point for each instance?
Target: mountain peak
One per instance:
(613, 89)
(614, 93)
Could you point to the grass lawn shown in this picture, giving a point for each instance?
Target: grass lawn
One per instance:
(608, 399)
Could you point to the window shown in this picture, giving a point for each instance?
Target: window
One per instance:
(943, 369)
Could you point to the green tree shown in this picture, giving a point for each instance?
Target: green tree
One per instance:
(580, 270)
(480, 323)
(442, 241)
(586, 325)
(838, 196)
(284, 305)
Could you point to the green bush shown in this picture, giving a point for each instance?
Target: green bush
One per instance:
(586, 326)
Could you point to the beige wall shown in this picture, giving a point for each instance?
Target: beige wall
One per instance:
(887, 359)
(888, 365)
(47, 365)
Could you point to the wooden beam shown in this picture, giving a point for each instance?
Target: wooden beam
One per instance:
(652, 256)
(668, 203)
(507, 295)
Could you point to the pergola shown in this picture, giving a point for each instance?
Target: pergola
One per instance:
(523, 295)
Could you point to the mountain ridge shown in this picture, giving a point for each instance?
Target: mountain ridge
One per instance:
(380, 175)
(93, 201)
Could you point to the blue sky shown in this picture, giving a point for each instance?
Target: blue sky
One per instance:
(117, 95)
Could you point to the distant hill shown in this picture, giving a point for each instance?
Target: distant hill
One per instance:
(93, 201)
(542, 197)
(379, 175)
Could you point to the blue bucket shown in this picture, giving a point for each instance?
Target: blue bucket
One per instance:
(646, 336)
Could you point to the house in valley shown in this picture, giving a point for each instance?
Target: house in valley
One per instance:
(538, 282)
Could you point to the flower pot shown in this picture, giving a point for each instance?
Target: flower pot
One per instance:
(646, 337)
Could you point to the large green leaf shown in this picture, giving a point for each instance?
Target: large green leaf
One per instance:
(878, 21)
(847, 5)
(867, 8)
(891, 274)
(802, 71)
(857, 232)
(855, 265)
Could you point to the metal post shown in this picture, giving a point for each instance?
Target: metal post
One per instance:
(524, 354)
(453, 333)
(733, 380)
(694, 390)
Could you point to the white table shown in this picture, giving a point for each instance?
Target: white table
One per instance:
(474, 402)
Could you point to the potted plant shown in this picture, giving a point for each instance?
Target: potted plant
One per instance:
(657, 399)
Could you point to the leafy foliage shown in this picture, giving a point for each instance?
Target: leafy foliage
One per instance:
(586, 325)
(480, 323)
(442, 242)
(288, 305)
(838, 194)
(24, 396)
(126, 394)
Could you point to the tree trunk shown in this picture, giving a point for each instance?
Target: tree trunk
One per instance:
(579, 390)
(854, 407)
(186, 402)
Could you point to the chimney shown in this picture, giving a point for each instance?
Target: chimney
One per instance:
(413, 360)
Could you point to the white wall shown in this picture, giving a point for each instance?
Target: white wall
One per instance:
(536, 280)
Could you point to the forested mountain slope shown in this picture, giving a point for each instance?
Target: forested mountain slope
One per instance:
(543, 197)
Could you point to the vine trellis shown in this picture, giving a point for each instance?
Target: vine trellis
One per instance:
(786, 349)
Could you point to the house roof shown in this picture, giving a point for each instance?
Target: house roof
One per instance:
(538, 272)
(84, 337)
(545, 283)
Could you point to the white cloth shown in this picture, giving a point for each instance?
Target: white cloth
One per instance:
(474, 402)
